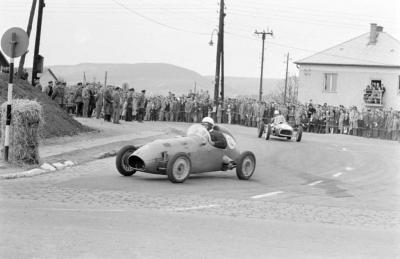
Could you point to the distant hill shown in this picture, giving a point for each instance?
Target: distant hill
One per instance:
(157, 78)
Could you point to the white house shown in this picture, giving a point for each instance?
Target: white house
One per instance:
(340, 74)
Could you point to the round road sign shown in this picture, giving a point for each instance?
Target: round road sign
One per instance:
(14, 36)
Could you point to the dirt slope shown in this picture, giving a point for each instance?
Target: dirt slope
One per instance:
(57, 121)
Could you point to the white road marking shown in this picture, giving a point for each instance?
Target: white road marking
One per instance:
(315, 183)
(344, 149)
(266, 195)
(196, 207)
(348, 168)
(81, 210)
(337, 174)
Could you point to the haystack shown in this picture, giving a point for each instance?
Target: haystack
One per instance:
(26, 122)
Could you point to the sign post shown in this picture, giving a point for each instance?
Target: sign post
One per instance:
(14, 43)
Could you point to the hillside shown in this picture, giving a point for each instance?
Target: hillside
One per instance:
(157, 78)
(57, 121)
(154, 77)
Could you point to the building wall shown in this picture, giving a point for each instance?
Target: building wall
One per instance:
(351, 82)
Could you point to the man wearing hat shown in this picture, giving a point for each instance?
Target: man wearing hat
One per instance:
(49, 88)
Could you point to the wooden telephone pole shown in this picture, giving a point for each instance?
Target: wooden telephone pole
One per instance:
(37, 41)
(220, 47)
(28, 31)
(263, 33)
(286, 78)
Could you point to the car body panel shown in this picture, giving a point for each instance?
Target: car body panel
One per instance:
(203, 156)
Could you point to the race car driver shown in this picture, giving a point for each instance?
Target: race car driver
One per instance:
(278, 118)
(218, 140)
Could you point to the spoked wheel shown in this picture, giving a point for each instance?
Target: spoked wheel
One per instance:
(261, 129)
(122, 161)
(178, 168)
(269, 130)
(299, 133)
(246, 165)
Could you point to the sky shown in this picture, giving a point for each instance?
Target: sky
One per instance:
(178, 31)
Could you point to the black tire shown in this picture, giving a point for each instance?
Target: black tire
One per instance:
(174, 168)
(121, 160)
(245, 165)
(299, 133)
(261, 128)
(269, 129)
(288, 138)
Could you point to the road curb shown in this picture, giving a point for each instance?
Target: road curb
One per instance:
(45, 168)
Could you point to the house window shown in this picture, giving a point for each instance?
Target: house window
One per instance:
(330, 83)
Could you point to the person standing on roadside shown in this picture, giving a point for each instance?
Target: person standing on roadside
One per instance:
(48, 90)
(99, 102)
(85, 100)
(78, 100)
(58, 95)
(141, 106)
(107, 102)
(116, 99)
(129, 105)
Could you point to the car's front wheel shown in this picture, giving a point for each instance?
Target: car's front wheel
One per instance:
(245, 165)
(178, 168)
(121, 160)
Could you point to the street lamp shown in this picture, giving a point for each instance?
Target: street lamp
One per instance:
(211, 43)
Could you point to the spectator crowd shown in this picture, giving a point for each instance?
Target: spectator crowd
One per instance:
(114, 103)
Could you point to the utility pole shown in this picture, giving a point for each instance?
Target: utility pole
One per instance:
(222, 54)
(286, 77)
(219, 50)
(37, 41)
(28, 31)
(105, 80)
(263, 33)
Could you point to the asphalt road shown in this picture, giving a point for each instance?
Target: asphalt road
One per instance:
(328, 196)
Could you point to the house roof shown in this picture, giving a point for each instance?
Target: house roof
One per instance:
(3, 60)
(357, 52)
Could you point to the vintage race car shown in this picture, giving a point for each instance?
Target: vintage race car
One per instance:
(181, 156)
(283, 130)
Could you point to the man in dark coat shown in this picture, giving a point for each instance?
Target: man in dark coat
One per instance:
(107, 103)
(78, 100)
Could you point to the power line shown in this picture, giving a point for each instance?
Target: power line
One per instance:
(157, 22)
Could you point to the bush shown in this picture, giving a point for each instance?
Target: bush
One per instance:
(26, 122)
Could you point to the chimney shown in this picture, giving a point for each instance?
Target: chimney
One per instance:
(373, 33)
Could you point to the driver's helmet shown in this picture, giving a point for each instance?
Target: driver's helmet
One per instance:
(208, 120)
(276, 113)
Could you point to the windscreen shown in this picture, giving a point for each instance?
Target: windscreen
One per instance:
(198, 130)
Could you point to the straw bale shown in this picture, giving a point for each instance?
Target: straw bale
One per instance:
(26, 122)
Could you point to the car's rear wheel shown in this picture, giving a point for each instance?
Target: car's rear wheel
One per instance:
(288, 138)
(269, 130)
(299, 134)
(121, 160)
(178, 168)
(261, 128)
(245, 165)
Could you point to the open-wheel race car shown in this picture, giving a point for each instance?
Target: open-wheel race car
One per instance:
(282, 130)
(181, 156)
